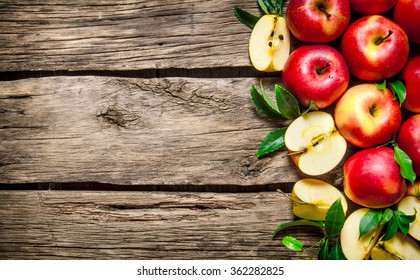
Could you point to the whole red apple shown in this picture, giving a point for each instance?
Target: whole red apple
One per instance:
(372, 7)
(316, 73)
(367, 116)
(372, 178)
(408, 140)
(411, 76)
(407, 15)
(375, 48)
(317, 21)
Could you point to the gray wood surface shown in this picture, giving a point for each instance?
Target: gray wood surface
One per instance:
(146, 225)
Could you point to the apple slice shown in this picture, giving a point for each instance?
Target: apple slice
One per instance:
(399, 247)
(414, 190)
(353, 247)
(269, 44)
(410, 205)
(312, 198)
(315, 144)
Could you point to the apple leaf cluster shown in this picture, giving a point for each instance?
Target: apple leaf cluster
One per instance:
(397, 87)
(329, 247)
(394, 220)
(285, 107)
(267, 6)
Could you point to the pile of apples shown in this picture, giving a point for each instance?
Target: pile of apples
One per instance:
(352, 56)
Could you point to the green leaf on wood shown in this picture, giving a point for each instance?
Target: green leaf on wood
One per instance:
(267, 6)
(301, 222)
(273, 141)
(263, 103)
(245, 17)
(369, 221)
(287, 103)
(405, 163)
(334, 219)
(292, 243)
(279, 6)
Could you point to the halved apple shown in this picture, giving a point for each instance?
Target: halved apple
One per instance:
(314, 143)
(269, 44)
(355, 248)
(410, 205)
(399, 247)
(312, 198)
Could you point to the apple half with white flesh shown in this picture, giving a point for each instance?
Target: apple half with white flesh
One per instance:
(269, 44)
(312, 198)
(314, 143)
(410, 205)
(355, 248)
(399, 247)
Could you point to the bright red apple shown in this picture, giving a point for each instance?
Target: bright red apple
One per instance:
(407, 15)
(372, 7)
(372, 178)
(411, 76)
(367, 116)
(316, 73)
(375, 48)
(408, 140)
(317, 21)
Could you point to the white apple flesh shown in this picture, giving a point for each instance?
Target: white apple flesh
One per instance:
(312, 198)
(410, 205)
(399, 247)
(269, 44)
(315, 144)
(355, 248)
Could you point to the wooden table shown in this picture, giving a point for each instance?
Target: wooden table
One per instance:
(127, 132)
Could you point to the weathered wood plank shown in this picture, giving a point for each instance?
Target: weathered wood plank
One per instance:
(122, 35)
(145, 225)
(177, 131)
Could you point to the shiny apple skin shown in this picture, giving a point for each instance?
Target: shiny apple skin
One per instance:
(366, 116)
(372, 178)
(411, 76)
(407, 15)
(304, 76)
(310, 25)
(372, 7)
(368, 60)
(408, 140)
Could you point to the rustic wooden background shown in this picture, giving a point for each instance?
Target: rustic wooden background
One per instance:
(127, 132)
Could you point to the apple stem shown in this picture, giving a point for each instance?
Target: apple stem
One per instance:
(381, 40)
(372, 109)
(319, 70)
(322, 9)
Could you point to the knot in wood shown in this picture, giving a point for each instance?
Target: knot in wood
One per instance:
(121, 117)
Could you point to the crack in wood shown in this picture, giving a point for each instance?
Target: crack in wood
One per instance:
(121, 117)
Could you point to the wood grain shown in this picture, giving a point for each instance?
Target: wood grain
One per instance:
(175, 131)
(146, 225)
(122, 35)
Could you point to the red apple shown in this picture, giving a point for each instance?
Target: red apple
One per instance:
(408, 140)
(372, 7)
(407, 15)
(375, 48)
(367, 116)
(316, 72)
(317, 21)
(411, 76)
(372, 178)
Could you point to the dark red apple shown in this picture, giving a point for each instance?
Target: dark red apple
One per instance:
(411, 77)
(372, 7)
(408, 140)
(407, 15)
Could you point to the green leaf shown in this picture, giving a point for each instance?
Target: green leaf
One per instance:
(369, 221)
(381, 86)
(399, 90)
(287, 103)
(391, 230)
(312, 107)
(267, 6)
(245, 17)
(386, 216)
(334, 219)
(301, 222)
(273, 141)
(292, 243)
(270, 103)
(405, 163)
(323, 250)
(263, 105)
(404, 221)
(279, 6)
(336, 252)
